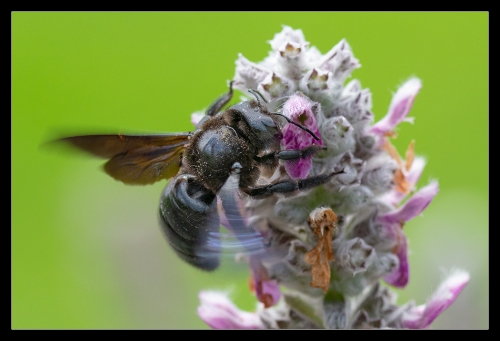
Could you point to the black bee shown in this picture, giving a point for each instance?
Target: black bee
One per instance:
(226, 153)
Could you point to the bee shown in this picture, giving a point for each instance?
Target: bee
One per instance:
(222, 158)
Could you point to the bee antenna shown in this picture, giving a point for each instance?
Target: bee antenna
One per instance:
(255, 93)
(296, 124)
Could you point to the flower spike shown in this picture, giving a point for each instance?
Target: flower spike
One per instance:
(329, 246)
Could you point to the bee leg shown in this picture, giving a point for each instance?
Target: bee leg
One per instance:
(220, 102)
(295, 154)
(189, 219)
(290, 186)
(292, 154)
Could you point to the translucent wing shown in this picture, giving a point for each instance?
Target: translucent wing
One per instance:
(233, 216)
(135, 159)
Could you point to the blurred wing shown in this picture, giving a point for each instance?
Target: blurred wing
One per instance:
(234, 216)
(135, 159)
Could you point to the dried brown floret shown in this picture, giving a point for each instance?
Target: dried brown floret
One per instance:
(322, 222)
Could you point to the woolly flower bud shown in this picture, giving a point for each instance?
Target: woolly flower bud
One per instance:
(338, 135)
(379, 172)
(330, 201)
(355, 255)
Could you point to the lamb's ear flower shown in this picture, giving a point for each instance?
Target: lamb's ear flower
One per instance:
(422, 316)
(220, 313)
(300, 110)
(400, 106)
(394, 221)
(400, 276)
(267, 290)
(328, 245)
(412, 207)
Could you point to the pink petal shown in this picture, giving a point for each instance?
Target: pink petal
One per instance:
(400, 106)
(423, 315)
(272, 289)
(267, 291)
(413, 207)
(400, 276)
(299, 109)
(219, 312)
(299, 169)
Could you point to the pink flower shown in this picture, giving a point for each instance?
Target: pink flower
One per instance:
(372, 198)
(413, 206)
(393, 222)
(400, 107)
(219, 312)
(422, 316)
(267, 290)
(299, 109)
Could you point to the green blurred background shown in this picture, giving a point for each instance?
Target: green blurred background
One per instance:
(87, 251)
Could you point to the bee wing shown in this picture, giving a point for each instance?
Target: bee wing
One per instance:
(135, 159)
(234, 216)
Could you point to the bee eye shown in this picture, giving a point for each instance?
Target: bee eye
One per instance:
(236, 118)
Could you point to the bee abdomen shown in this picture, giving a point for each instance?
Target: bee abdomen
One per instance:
(189, 219)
